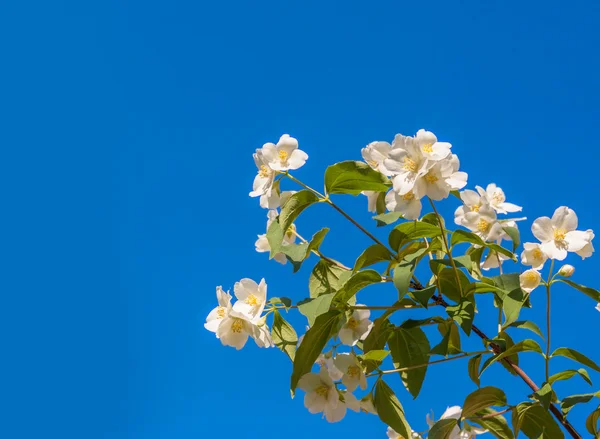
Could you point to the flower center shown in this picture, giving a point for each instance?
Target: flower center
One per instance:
(353, 371)
(291, 231)
(428, 147)
(372, 163)
(537, 254)
(475, 208)
(322, 390)
(252, 300)
(431, 178)
(559, 234)
(409, 196)
(530, 277)
(498, 198)
(352, 323)
(220, 312)
(237, 325)
(263, 171)
(483, 226)
(410, 165)
(283, 156)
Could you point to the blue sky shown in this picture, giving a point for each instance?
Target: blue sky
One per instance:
(128, 129)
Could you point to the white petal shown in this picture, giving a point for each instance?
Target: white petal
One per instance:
(542, 229)
(564, 218)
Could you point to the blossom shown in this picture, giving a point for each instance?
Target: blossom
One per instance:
(440, 179)
(558, 235)
(530, 280)
(327, 362)
(216, 316)
(353, 373)
(497, 199)
(251, 297)
(236, 327)
(467, 431)
(262, 243)
(533, 255)
(429, 146)
(375, 153)
(372, 197)
(493, 260)
(408, 205)
(588, 249)
(367, 406)
(483, 223)
(391, 433)
(285, 155)
(322, 396)
(406, 162)
(472, 202)
(264, 183)
(356, 328)
(566, 270)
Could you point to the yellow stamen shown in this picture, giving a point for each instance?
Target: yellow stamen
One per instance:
(220, 312)
(428, 147)
(237, 325)
(372, 163)
(353, 371)
(352, 323)
(498, 197)
(559, 234)
(475, 208)
(322, 390)
(263, 171)
(283, 155)
(252, 300)
(483, 226)
(410, 165)
(537, 254)
(431, 178)
(530, 276)
(408, 196)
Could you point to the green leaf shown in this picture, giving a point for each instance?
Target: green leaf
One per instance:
(481, 399)
(590, 292)
(372, 255)
(545, 395)
(411, 323)
(313, 308)
(534, 421)
(284, 336)
(402, 275)
(285, 301)
(567, 403)
(386, 219)
(448, 286)
(410, 347)
(568, 374)
(515, 236)
(591, 423)
(354, 177)
(294, 207)
(473, 368)
(526, 324)
(442, 429)
(499, 249)
(356, 283)
(378, 337)
(390, 410)
(275, 238)
(450, 343)
(423, 296)
(512, 303)
(380, 207)
(316, 240)
(326, 278)
(507, 282)
(522, 346)
(410, 231)
(315, 339)
(372, 359)
(496, 425)
(460, 236)
(463, 314)
(576, 356)
(295, 253)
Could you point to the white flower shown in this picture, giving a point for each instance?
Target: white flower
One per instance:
(356, 328)
(406, 162)
(588, 249)
(375, 153)
(285, 155)
(566, 270)
(236, 327)
(454, 412)
(216, 316)
(497, 199)
(530, 280)
(322, 396)
(559, 235)
(483, 223)
(472, 202)
(353, 373)
(408, 205)
(391, 434)
(327, 362)
(493, 260)
(263, 185)
(371, 200)
(367, 406)
(429, 146)
(533, 255)
(251, 297)
(262, 243)
(440, 179)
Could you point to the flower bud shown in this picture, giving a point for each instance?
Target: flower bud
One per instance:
(566, 270)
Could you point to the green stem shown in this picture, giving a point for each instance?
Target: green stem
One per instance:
(291, 177)
(548, 283)
(445, 239)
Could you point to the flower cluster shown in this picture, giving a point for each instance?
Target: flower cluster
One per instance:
(234, 324)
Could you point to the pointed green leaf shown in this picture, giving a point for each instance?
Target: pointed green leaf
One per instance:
(576, 356)
(568, 374)
(522, 346)
(463, 314)
(410, 347)
(294, 207)
(423, 296)
(410, 231)
(314, 307)
(448, 286)
(473, 368)
(567, 403)
(534, 421)
(327, 278)
(512, 304)
(591, 423)
(402, 276)
(590, 292)
(372, 359)
(390, 410)
(515, 236)
(284, 336)
(275, 238)
(495, 425)
(353, 177)
(450, 343)
(545, 395)
(316, 240)
(356, 283)
(481, 399)
(460, 236)
(285, 301)
(442, 429)
(372, 255)
(387, 218)
(526, 324)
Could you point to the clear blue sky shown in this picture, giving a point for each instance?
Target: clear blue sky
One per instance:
(127, 134)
